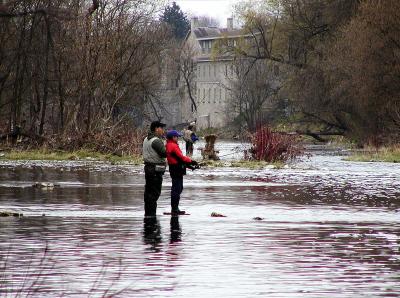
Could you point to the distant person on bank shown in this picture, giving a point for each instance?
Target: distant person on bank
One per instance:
(190, 138)
(177, 163)
(154, 155)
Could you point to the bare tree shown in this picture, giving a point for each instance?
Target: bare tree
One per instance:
(77, 68)
(253, 90)
(187, 71)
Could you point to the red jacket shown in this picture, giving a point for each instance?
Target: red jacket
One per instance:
(174, 154)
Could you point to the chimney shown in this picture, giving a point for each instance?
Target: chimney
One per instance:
(194, 23)
(229, 23)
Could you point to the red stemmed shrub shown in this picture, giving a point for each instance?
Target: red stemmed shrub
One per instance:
(272, 146)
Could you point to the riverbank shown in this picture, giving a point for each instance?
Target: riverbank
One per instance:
(231, 156)
(248, 164)
(86, 155)
(387, 154)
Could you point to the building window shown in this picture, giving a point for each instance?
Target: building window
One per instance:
(209, 46)
(215, 71)
(209, 95)
(215, 95)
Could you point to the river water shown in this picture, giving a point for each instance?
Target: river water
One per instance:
(329, 228)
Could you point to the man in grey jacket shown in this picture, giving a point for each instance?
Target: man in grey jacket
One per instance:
(154, 155)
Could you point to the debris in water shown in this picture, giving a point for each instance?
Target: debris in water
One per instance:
(215, 214)
(258, 218)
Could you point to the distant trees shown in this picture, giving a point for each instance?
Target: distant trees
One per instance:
(363, 71)
(76, 68)
(341, 61)
(176, 19)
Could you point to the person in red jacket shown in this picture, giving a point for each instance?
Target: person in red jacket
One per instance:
(177, 163)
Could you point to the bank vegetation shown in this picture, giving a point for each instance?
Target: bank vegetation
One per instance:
(80, 74)
(335, 63)
(77, 74)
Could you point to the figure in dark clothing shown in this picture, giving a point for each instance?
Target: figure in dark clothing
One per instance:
(177, 169)
(190, 138)
(154, 155)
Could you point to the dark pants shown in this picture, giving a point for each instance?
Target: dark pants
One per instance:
(189, 148)
(176, 190)
(152, 190)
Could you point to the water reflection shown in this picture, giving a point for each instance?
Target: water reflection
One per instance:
(176, 231)
(152, 233)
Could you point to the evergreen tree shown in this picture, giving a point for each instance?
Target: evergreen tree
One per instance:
(176, 18)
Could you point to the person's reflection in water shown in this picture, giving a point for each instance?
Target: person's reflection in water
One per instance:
(152, 232)
(176, 231)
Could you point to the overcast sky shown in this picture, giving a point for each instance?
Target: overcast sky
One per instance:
(218, 9)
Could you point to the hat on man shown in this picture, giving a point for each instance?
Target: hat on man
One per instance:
(156, 124)
(173, 133)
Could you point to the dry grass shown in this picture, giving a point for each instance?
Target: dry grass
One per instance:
(383, 154)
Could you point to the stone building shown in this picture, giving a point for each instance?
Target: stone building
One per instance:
(211, 77)
(208, 72)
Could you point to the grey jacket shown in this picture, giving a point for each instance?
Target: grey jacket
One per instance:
(153, 150)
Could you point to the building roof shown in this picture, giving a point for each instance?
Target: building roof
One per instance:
(214, 33)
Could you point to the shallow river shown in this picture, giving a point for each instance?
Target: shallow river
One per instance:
(329, 228)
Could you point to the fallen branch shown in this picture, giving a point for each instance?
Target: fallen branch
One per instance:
(317, 135)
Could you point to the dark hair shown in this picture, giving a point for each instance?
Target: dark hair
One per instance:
(190, 127)
(156, 124)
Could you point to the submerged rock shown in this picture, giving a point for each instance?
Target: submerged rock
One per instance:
(7, 213)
